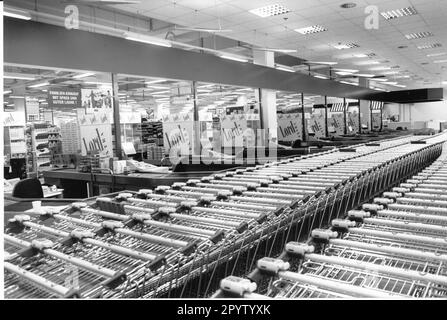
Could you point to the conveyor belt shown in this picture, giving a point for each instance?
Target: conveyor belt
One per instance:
(180, 240)
(394, 247)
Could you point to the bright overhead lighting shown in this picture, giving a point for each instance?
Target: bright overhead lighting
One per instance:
(83, 75)
(400, 85)
(367, 63)
(343, 73)
(17, 97)
(418, 35)
(401, 77)
(403, 12)
(346, 70)
(98, 83)
(380, 68)
(361, 55)
(321, 77)
(233, 58)
(440, 61)
(7, 92)
(351, 83)
(391, 83)
(379, 89)
(276, 50)
(148, 40)
(364, 75)
(155, 81)
(206, 86)
(429, 46)
(157, 87)
(160, 92)
(285, 69)
(270, 10)
(390, 72)
(17, 77)
(122, 94)
(436, 54)
(379, 79)
(18, 14)
(329, 63)
(311, 29)
(37, 85)
(444, 82)
(341, 46)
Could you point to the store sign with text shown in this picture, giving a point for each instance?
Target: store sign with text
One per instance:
(178, 131)
(96, 133)
(233, 129)
(64, 98)
(289, 127)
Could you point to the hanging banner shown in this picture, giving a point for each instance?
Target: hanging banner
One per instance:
(178, 133)
(353, 122)
(375, 120)
(96, 133)
(97, 99)
(233, 128)
(336, 122)
(32, 108)
(316, 125)
(64, 98)
(289, 127)
(15, 118)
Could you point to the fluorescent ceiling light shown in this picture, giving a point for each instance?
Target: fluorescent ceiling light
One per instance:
(17, 97)
(311, 29)
(418, 35)
(98, 83)
(341, 46)
(159, 92)
(7, 92)
(400, 85)
(367, 63)
(157, 87)
(429, 46)
(37, 85)
(380, 68)
(329, 63)
(343, 73)
(379, 79)
(233, 58)
(346, 70)
(379, 89)
(285, 69)
(403, 76)
(440, 61)
(436, 54)
(270, 10)
(403, 12)
(155, 81)
(277, 50)
(122, 94)
(83, 75)
(18, 14)
(17, 77)
(206, 86)
(321, 77)
(390, 72)
(351, 83)
(390, 83)
(198, 29)
(148, 40)
(364, 75)
(361, 55)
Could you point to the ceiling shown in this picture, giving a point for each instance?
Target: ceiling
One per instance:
(410, 65)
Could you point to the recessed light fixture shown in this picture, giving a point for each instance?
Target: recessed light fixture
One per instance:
(283, 68)
(270, 10)
(364, 75)
(83, 75)
(233, 58)
(155, 81)
(436, 54)
(400, 85)
(346, 70)
(329, 63)
(379, 79)
(342, 46)
(429, 46)
(7, 92)
(348, 5)
(398, 13)
(17, 97)
(440, 61)
(366, 63)
(321, 77)
(351, 83)
(418, 35)
(390, 72)
(403, 76)
(343, 73)
(311, 29)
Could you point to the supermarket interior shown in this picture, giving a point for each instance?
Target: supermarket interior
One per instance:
(225, 149)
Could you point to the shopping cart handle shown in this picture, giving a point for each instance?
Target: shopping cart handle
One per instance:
(242, 227)
(115, 281)
(190, 248)
(219, 235)
(157, 263)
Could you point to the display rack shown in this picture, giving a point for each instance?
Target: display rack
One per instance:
(42, 138)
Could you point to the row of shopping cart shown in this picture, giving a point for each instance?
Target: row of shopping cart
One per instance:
(156, 242)
(393, 247)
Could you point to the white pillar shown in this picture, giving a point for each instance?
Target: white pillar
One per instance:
(365, 112)
(268, 99)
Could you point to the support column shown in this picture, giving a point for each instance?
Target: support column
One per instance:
(326, 128)
(303, 118)
(116, 116)
(267, 101)
(197, 145)
(345, 129)
(365, 113)
(360, 118)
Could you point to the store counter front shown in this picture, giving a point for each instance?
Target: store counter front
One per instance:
(83, 185)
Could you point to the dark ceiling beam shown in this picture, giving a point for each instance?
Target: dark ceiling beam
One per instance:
(39, 44)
